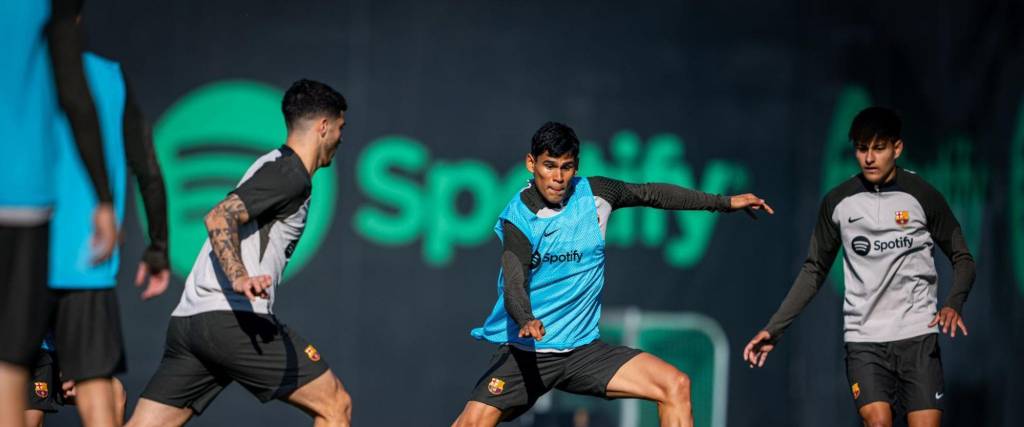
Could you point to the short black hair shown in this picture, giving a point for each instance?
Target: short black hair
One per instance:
(308, 99)
(556, 139)
(876, 123)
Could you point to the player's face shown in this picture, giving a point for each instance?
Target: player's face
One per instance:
(552, 174)
(329, 144)
(877, 159)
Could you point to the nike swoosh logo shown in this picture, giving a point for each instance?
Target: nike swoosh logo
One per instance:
(939, 395)
(853, 220)
(550, 232)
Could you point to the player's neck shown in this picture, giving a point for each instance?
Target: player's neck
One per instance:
(307, 152)
(891, 177)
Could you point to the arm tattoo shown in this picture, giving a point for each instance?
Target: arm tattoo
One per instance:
(222, 225)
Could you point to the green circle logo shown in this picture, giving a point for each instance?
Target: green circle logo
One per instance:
(205, 142)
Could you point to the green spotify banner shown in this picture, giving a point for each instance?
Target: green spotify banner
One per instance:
(399, 259)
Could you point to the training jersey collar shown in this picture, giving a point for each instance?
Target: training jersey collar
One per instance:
(887, 186)
(536, 201)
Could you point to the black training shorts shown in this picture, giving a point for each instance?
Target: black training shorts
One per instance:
(87, 334)
(907, 374)
(517, 378)
(207, 351)
(44, 387)
(25, 298)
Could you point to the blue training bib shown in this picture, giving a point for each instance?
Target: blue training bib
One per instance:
(71, 229)
(566, 274)
(28, 106)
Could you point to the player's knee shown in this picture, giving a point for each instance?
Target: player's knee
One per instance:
(876, 418)
(340, 404)
(345, 403)
(120, 396)
(678, 389)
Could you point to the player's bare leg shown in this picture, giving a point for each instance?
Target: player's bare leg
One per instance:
(95, 400)
(876, 414)
(648, 377)
(12, 394)
(925, 418)
(120, 400)
(34, 418)
(478, 414)
(326, 400)
(150, 413)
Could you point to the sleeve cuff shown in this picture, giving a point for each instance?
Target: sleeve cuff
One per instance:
(724, 203)
(156, 258)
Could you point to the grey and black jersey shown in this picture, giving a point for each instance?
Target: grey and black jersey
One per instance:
(276, 192)
(888, 234)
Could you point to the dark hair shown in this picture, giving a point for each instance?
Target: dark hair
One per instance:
(876, 123)
(556, 139)
(307, 99)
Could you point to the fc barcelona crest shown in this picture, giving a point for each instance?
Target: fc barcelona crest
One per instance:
(856, 390)
(902, 217)
(42, 389)
(496, 386)
(312, 353)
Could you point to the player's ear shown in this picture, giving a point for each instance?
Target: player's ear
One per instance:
(898, 147)
(531, 162)
(320, 127)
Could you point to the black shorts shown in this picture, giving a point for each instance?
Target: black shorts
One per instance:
(44, 387)
(87, 334)
(86, 323)
(517, 378)
(207, 351)
(907, 374)
(25, 299)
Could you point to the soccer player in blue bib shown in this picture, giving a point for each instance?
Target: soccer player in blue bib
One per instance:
(549, 291)
(40, 74)
(86, 349)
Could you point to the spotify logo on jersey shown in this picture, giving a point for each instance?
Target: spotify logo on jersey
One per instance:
(205, 142)
(549, 258)
(861, 245)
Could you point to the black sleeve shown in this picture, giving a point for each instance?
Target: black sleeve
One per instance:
(73, 93)
(515, 262)
(663, 196)
(276, 189)
(825, 243)
(138, 149)
(947, 234)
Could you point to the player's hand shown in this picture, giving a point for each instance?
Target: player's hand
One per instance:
(157, 283)
(104, 236)
(949, 320)
(758, 348)
(749, 203)
(533, 329)
(252, 286)
(68, 388)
